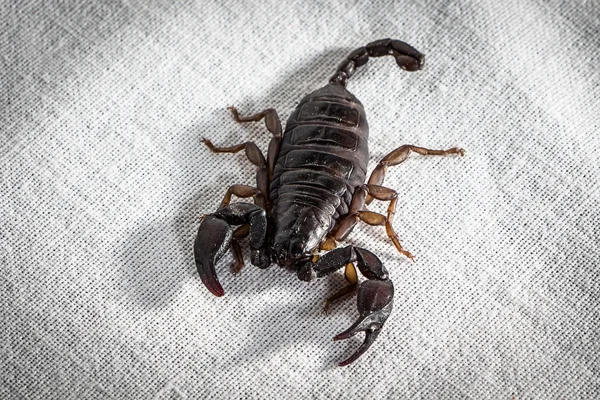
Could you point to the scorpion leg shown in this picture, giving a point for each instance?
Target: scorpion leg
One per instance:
(264, 168)
(343, 228)
(240, 233)
(273, 124)
(215, 235)
(375, 296)
(255, 156)
(357, 212)
(398, 156)
(243, 191)
(352, 278)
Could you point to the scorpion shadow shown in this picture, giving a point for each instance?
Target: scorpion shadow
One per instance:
(158, 258)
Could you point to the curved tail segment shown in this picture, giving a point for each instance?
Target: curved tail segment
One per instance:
(407, 57)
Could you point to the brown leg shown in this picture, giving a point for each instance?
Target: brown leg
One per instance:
(357, 212)
(255, 156)
(240, 233)
(238, 265)
(242, 191)
(273, 124)
(329, 244)
(352, 277)
(398, 156)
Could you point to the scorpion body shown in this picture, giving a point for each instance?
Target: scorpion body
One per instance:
(310, 194)
(322, 160)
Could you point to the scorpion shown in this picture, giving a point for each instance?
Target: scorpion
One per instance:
(311, 192)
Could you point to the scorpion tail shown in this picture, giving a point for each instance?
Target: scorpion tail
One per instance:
(213, 240)
(407, 58)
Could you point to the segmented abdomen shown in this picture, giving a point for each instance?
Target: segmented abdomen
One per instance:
(323, 157)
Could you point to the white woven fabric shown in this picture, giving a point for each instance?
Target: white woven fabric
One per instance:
(104, 177)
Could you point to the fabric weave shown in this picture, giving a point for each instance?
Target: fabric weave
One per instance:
(104, 177)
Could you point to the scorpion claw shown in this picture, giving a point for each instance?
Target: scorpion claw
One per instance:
(213, 240)
(375, 303)
(370, 336)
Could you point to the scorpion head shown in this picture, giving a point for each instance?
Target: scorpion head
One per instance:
(297, 233)
(288, 254)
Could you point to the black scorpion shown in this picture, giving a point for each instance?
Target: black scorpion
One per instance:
(311, 192)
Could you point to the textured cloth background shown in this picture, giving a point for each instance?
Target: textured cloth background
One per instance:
(103, 179)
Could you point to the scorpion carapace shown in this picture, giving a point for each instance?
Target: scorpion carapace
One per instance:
(311, 192)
